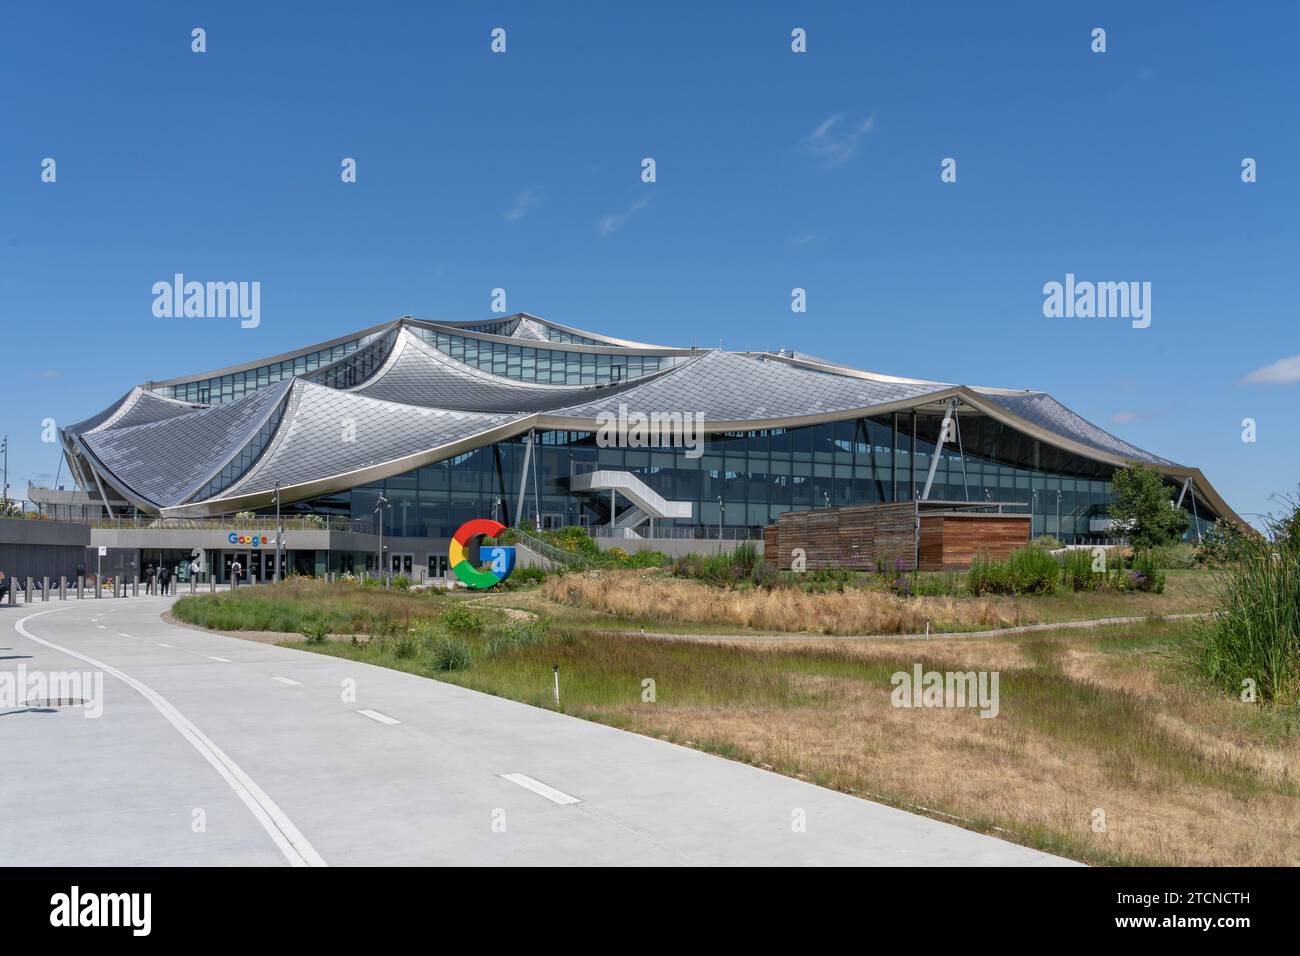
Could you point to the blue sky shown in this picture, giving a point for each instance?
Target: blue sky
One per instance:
(775, 170)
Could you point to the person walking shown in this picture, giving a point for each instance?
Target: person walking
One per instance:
(236, 569)
(6, 588)
(165, 579)
(149, 573)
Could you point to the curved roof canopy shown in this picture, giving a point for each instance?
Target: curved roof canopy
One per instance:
(394, 402)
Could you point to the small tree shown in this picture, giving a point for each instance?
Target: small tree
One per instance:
(1225, 542)
(1142, 507)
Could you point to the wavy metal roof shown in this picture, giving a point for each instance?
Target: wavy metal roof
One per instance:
(416, 373)
(421, 405)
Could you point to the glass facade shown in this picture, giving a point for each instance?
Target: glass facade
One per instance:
(227, 388)
(757, 475)
(548, 366)
(507, 327)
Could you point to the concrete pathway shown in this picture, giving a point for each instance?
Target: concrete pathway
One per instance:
(211, 750)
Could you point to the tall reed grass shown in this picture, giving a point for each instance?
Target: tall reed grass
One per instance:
(1255, 635)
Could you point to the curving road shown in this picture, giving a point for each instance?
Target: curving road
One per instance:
(211, 750)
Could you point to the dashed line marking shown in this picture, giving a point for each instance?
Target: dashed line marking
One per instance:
(221, 660)
(550, 793)
(376, 715)
(289, 681)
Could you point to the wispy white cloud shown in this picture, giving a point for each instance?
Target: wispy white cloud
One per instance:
(1123, 418)
(525, 202)
(835, 141)
(614, 222)
(51, 373)
(1282, 372)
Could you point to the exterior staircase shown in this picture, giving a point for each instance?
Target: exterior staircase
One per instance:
(646, 503)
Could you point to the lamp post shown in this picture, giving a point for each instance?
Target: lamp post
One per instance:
(722, 511)
(279, 536)
(1059, 532)
(379, 520)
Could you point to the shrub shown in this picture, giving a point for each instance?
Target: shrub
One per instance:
(764, 575)
(1047, 542)
(402, 582)
(461, 620)
(935, 584)
(721, 570)
(1028, 570)
(407, 646)
(1145, 574)
(315, 631)
(525, 577)
(1225, 543)
(1077, 573)
(825, 580)
(450, 654)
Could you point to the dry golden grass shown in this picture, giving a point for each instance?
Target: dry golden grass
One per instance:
(652, 596)
(1000, 772)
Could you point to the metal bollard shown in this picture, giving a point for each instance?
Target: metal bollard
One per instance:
(27, 599)
(63, 588)
(45, 589)
(81, 586)
(194, 580)
(135, 586)
(98, 589)
(212, 584)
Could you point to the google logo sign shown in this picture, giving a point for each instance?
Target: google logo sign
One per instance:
(501, 560)
(252, 540)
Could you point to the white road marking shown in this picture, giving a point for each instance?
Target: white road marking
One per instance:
(376, 715)
(295, 847)
(160, 644)
(221, 660)
(550, 793)
(288, 680)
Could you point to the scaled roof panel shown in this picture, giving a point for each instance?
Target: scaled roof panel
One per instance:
(165, 461)
(1046, 412)
(727, 386)
(137, 407)
(328, 432)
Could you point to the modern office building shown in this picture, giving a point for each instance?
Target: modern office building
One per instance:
(423, 425)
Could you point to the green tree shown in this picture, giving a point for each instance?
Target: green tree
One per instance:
(1142, 507)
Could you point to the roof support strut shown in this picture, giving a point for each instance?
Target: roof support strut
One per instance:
(523, 476)
(944, 431)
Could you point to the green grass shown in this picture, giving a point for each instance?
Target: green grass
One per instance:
(304, 605)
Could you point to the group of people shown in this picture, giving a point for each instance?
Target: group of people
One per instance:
(157, 580)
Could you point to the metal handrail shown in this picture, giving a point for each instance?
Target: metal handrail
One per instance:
(547, 550)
